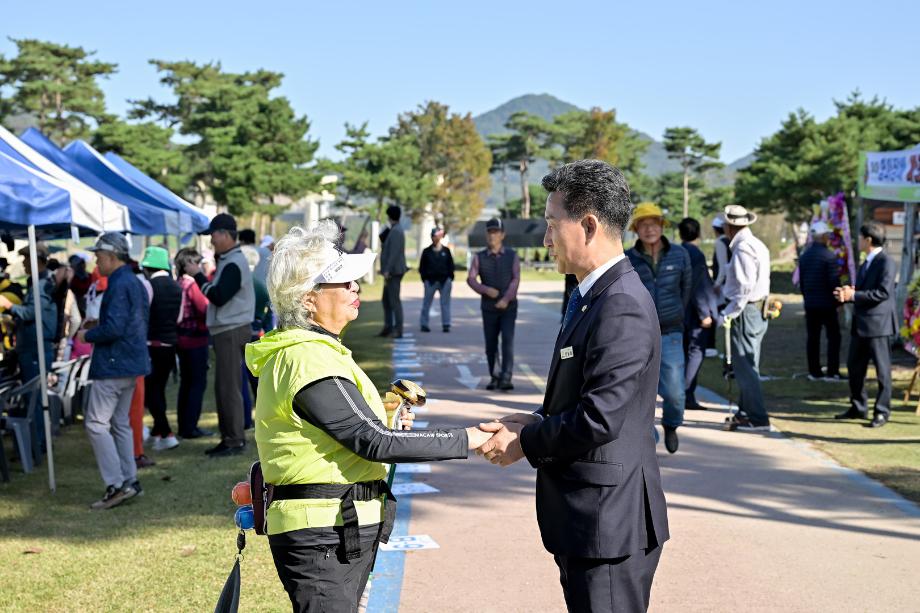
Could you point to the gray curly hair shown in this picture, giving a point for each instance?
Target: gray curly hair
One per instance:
(299, 257)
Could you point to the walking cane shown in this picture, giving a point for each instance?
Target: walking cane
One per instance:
(728, 374)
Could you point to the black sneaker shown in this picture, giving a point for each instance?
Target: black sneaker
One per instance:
(493, 384)
(506, 386)
(224, 450)
(139, 491)
(113, 496)
(446, 329)
(426, 329)
(132, 489)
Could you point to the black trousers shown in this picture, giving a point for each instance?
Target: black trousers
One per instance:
(319, 578)
(696, 340)
(497, 324)
(162, 362)
(862, 349)
(815, 320)
(392, 304)
(620, 585)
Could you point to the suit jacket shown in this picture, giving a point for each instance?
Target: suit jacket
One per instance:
(818, 276)
(393, 252)
(874, 313)
(598, 486)
(703, 301)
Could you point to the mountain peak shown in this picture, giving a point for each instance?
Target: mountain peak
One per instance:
(546, 106)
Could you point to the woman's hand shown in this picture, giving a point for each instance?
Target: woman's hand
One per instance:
(407, 418)
(477, 438)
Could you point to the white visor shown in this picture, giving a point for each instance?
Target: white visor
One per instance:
(347, 267)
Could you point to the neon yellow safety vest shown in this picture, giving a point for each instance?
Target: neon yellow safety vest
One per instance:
(293, 451)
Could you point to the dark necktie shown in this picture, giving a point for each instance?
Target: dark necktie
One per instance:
(574, 303)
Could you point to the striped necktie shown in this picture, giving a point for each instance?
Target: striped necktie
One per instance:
(574, 303)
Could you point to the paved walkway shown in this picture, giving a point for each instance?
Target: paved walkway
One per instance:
(758, 522)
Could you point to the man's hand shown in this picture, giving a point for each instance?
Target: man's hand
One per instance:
(5, 303)
(520, 418)
(504, 448)
(501, 304)
(492, 293)
(845, 293)
(477, 438)
(706, 323)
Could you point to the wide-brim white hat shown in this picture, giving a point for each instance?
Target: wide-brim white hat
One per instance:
(346, 267)
(737, 215)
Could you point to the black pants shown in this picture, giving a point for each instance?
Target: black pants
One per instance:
(815, 320)
(696, 340)
(497, 324)
(862, 349)
(162, 362)
(392, 304)
(193, 381)
(616, 584)
(318, 578)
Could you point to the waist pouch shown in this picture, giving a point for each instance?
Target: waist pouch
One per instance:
(263, 494)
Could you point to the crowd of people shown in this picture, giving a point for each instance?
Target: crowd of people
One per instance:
(142, 321)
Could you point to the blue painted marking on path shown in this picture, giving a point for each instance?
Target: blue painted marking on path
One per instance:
(387, 580)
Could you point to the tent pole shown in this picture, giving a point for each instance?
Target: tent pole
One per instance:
(42, 367)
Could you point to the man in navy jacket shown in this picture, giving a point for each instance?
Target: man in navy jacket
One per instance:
(819, 275)
(119, 356)
(600, 505)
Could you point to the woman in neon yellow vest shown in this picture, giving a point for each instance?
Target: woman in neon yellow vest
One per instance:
(321, 427)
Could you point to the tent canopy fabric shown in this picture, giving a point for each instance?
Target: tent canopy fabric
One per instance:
(146, 219)
(199, 220)
(94, 162)
(89, 208)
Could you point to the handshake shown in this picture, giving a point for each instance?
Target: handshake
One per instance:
(499, 441)
(845, 293)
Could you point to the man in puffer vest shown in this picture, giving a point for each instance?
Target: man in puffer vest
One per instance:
(666, 272)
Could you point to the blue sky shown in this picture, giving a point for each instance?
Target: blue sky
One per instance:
(733, 70)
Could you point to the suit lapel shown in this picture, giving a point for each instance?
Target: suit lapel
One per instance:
(599, 287)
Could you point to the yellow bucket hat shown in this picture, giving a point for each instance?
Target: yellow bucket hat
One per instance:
(646, 209)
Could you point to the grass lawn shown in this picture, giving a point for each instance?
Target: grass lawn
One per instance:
(805, 410)
(170, 550)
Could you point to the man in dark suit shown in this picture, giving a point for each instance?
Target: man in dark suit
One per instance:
(700, 314)
(600, 505)
(819, 275)
(393, 267)
(874, 323)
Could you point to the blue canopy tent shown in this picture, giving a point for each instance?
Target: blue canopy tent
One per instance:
(91, 209)
(146, 220)
(200, 220)
(191, 221)
(30, 199)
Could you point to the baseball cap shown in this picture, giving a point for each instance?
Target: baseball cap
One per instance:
(437, 230)
(41, 250)
(718, 221)
(820, 227)
(266, 240)
(341, 267)
(112, 242)
(221, 221)
(495, 224)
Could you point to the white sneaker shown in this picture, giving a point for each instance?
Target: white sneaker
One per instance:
(146, 432)
(712, 353)
(165, 442)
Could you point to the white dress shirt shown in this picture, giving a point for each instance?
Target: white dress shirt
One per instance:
(588, 282)
(748, 277)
